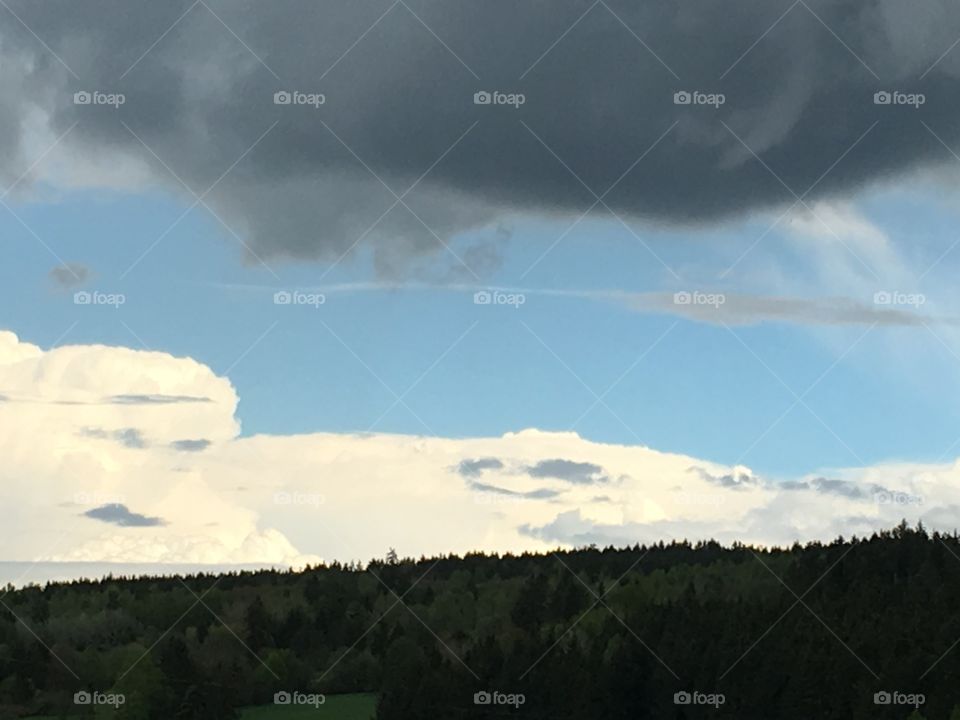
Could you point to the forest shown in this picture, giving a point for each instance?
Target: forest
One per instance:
(852, 629)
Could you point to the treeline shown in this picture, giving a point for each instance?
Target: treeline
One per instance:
(854, 629)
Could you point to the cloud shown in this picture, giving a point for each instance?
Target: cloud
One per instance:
(190, 445)
(742, 478)
(260, 498)
(70, 275)
(118, 514)
(739, 478)
(579, 473)
(72, 399)
(155, 399)
(400, 103)
(740, 309)
(131, 438)
(128, 437)
(538, 494)
(713, 306)
(474, 468)
(832, 486)
(114, 400)
(569, 528)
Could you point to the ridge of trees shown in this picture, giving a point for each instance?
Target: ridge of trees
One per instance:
(812, 630)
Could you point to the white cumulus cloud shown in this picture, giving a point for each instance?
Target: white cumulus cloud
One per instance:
(69, 417)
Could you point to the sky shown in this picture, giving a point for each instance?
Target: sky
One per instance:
(297, 283)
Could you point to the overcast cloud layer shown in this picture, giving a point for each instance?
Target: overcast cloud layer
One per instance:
(798, 79)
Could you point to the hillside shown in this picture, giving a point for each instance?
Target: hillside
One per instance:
(669, 631)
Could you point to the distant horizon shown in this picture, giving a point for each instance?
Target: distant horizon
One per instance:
(55, 572)
(65, 572)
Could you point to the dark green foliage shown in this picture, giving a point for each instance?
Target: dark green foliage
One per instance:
(591, 633)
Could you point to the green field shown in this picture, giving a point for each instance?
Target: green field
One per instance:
(337, 707)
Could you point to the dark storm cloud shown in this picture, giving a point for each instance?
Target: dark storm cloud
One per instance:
(578, 473)
(119, 514)
(70, 275)
(474, 468)
(798, 79)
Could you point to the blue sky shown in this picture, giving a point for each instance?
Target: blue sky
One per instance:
(764, 289)
(700, 390)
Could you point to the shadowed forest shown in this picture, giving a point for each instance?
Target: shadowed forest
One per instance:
(854, 629)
